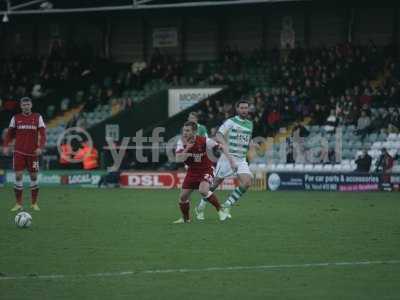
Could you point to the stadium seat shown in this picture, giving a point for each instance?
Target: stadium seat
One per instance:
(289, 167)
(264, 168)
(382, 137)
(269, 167)
(396, 168)
(280, 167)
(308, 167)
(318, 167)
(299, 167)
(347, 167)
(253, 168)
(392, 137)
(377, 145)
(337, 168)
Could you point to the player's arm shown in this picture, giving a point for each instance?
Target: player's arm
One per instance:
(222, 131)
(181, 152)
(42, 136)
(10, 135)
(220, 138)
(212, 145)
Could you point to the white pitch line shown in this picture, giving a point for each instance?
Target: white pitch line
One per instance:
(210, 269)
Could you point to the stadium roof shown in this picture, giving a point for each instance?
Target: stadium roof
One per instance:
(67, 6)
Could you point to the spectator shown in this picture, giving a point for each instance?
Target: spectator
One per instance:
(300, 130)
(385, 162)
(318, 115)
(363, 162)
(363, 124)
(331, 122)
(273, 120)
(366, 98)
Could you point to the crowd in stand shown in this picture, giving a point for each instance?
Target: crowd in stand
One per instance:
(71, 75)
(331, 86)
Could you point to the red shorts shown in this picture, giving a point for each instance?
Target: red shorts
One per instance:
(22, 162)
(192, 181)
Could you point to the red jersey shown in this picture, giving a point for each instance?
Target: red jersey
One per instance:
(25, 129)
(198, 162)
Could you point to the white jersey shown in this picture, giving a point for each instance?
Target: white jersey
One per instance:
(237, 133)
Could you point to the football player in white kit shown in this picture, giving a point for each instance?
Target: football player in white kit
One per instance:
(236, 134)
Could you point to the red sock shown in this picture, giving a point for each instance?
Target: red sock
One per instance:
(214, 201)
(184, 206)
(18, 195)
(34, 194)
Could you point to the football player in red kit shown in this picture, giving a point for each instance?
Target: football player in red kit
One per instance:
(29, 132)
(196, 151)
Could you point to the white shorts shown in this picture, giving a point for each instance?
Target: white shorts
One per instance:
(224, 170)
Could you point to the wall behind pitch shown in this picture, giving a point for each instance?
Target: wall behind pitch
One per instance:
(244, 31)
(327, 27)
(80, 30)
(202, 38)
(18, 37)
(158, 22)
(373, 23)
(274, 24)
(127, 39)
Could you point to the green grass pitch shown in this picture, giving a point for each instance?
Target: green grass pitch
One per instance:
(275, 247)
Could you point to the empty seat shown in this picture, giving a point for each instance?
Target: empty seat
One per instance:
(358, 145)
(264, 167)
(382, 137)
(318, 167)
(347, 167)
(308, 167)
(299, 167)
(377, 145)
(337, 167)
(280, 167)
(253, 168)
(270, 167)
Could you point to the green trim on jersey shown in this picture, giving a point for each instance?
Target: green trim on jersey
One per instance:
(201, 130)
(243, 123)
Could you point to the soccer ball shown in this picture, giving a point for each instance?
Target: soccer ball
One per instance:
(23, 220)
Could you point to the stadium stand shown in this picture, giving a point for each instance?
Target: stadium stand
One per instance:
(346, 87)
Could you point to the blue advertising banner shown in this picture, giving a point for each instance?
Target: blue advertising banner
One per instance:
(2, 178)
(340, 182)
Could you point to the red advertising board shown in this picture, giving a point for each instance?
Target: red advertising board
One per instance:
(160, 180)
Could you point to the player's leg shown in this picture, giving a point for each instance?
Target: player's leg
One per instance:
(205, 191)
(33, 168)
(184, 205)
(207, 194)
(203, 201)
(34, 190)
(18, 166)
(18, 189)
(245, 179)
(222, 170)
(238, 192)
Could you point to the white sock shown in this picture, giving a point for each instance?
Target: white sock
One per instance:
(34, 184)
(234, 196)
(203, 201)
(202, 204)
(18, 184)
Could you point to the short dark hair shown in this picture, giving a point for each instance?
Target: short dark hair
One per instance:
(243, 101)
(25, 99)
(190, 124)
